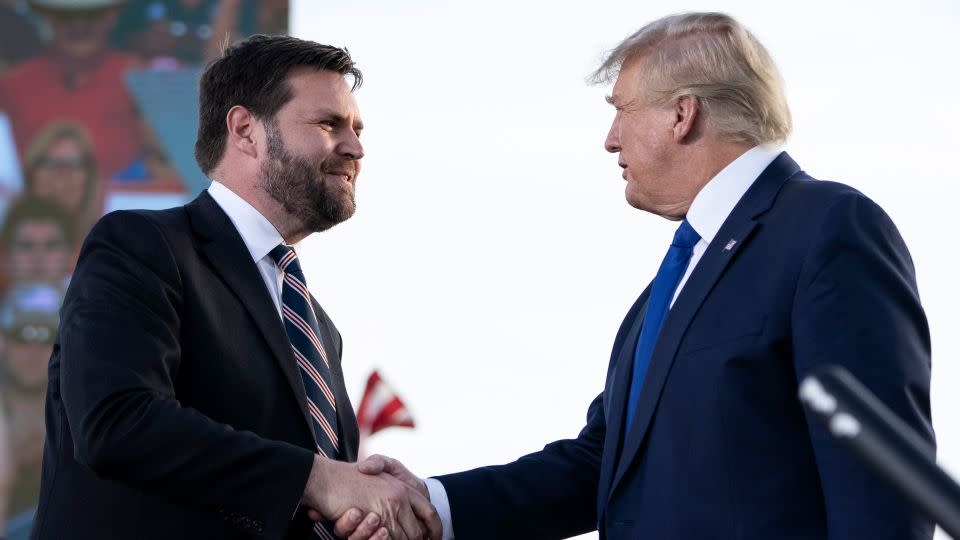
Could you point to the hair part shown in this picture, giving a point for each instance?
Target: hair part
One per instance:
(713, 58)
(253, 73)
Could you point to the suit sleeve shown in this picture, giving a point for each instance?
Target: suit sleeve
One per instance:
(857, 306)
(548, 494)
(120, 355)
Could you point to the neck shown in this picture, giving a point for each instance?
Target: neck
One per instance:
(247, 188)
(716, 158)
(694, 169)
(76, 70)
(292, 230)
(702, 166)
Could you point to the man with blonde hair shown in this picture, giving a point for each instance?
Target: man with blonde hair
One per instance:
(699, 433)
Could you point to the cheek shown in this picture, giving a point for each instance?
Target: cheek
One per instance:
(74, 180)
(634, 141)
(21, 257)
(55, 256)
(73, 188)
(647, 150)
(44, 183)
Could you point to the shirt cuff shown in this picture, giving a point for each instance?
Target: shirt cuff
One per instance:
(438, 497)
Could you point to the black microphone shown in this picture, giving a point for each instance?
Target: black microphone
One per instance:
(883, 441)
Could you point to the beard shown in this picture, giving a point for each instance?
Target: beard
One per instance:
(301, 186)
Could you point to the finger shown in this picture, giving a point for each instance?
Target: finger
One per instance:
(394, 468)
(381, 534)
(391, 466)
(367, 529)
(396, 532)
(347, 522)
(399, 471)
(409, 523)
(428, 516)
(314, 515)
(372, 465)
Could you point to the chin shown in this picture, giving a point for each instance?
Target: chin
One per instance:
(635, 201)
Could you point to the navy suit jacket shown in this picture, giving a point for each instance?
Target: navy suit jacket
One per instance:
(720, 447)
(175, 408)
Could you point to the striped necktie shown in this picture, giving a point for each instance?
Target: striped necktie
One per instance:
(303, 330)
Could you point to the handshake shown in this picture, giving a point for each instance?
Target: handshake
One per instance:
(396, 502)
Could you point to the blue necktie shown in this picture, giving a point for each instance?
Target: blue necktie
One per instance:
(304, 333)
(668, 277)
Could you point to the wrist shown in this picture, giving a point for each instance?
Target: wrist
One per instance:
(320, 474)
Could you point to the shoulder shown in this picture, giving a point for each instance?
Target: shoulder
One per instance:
(148, 235)
(150, 222)
(128, 253)
(28, 72)
(803, 189)
(121, 61)
(824, 207)
(834, 225)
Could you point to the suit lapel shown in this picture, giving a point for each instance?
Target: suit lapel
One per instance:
(224, 249)
(738, 227)
(347, 420)
(618, 386)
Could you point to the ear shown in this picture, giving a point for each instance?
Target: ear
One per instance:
(241, 129)
(687, 113)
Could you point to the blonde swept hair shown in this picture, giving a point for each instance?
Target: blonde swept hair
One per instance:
(41, 144)
(713, 58)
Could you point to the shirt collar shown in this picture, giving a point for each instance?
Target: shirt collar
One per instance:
(259, 235)
(715, 202)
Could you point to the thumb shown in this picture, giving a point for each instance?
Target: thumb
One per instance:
(372, 465)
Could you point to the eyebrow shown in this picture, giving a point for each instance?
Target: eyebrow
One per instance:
(614, 100)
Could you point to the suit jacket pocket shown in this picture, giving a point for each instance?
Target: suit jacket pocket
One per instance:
(722, 331)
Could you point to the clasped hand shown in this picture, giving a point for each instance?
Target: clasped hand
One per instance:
(396, 502)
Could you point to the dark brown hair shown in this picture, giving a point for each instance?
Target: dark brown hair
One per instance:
(252, 73)
(36, 209)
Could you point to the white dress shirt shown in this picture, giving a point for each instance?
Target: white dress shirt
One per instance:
(259, 235)
(710, 208)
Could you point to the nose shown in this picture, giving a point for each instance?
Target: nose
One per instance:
(612, 144)
(351, 147)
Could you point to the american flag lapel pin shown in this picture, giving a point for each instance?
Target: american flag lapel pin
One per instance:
(730, 244)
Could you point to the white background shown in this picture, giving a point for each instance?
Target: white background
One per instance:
(493, 256)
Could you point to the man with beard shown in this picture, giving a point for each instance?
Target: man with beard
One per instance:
(195, 385)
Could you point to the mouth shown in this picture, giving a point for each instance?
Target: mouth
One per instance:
(346, 177)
